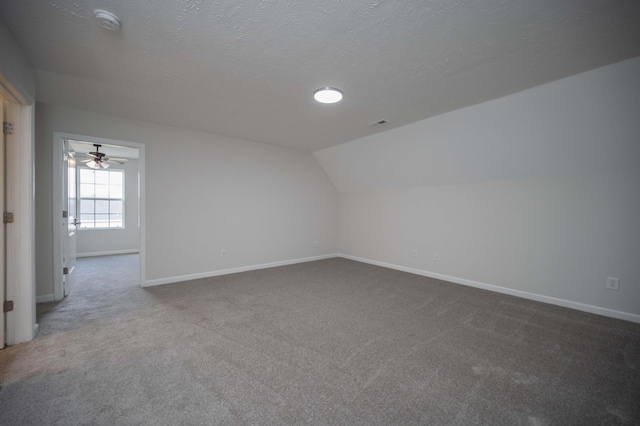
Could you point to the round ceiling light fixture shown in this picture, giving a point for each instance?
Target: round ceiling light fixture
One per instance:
(107, 20)
(328, 95)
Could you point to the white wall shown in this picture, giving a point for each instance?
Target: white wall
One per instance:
(15, 67)
(112, 241)
(204, 193)
(535, 192)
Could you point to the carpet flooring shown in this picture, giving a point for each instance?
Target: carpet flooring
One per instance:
(327, 342)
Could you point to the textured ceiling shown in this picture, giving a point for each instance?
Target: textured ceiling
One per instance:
(247, 68)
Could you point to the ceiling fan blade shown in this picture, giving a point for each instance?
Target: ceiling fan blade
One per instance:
(115, 160)
(84, 155)
(88, 160)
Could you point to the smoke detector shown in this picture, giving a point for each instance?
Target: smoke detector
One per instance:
(107, 20)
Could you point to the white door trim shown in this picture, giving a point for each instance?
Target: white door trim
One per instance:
(58, 143)
(20, 235)
(12, 94)
(3, 238)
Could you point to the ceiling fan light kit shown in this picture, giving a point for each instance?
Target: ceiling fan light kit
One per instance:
(97, 165)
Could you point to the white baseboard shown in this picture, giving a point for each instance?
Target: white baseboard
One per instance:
(169, 280)
(45, 298)
(518, 293)
(107, 253)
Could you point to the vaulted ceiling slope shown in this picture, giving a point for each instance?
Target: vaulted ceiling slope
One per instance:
(247, 69)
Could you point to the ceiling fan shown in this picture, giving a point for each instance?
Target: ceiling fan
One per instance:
(99, 160)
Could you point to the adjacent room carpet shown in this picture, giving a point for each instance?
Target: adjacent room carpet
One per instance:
(326, 342)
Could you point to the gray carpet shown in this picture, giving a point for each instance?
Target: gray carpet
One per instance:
(327, 342)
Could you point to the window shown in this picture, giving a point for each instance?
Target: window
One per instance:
(101, 199)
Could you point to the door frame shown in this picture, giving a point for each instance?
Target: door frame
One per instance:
(57, 191)
(3, 240)
(20, 235)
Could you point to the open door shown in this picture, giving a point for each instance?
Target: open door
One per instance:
(70, 220)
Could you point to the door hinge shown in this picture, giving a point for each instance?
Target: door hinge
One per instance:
(7, 217)
(65, 270)
(65, 214)
(8, 306)
(7, 128)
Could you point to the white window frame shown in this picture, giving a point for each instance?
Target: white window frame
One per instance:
(80, 198)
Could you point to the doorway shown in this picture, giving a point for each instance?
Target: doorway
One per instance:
(102, 215)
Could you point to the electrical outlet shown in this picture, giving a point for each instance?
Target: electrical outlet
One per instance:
(316, 244)
(613, 283)
(436, 257)
(415, 253)
(223, 253)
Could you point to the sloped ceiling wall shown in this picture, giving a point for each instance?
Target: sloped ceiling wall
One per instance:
(582, 124)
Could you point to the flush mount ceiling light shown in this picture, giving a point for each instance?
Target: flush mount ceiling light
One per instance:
(328, 95)
(107, 20)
